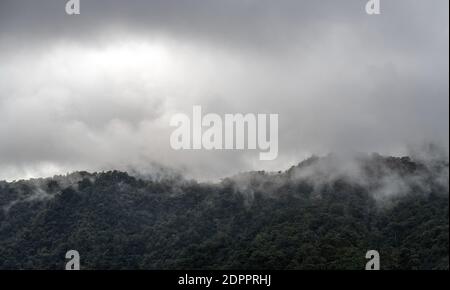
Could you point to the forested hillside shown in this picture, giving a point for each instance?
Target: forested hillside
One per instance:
(324, 213)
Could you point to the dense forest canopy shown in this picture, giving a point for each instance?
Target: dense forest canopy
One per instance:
(324, 213)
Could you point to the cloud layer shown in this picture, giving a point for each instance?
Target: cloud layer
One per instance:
(96, 91)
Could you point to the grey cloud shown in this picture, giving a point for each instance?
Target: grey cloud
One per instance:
(341, 80)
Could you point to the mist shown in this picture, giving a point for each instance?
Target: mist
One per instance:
(96, 91)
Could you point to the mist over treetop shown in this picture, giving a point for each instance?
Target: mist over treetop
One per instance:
(312, 216)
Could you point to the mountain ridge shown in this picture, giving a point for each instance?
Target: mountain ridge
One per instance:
(324, 213)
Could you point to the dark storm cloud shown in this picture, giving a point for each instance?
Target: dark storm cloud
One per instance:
(96, 90)
(235, 22)
(255, 23)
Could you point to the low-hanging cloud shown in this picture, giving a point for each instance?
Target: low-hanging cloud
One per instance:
(96, 91)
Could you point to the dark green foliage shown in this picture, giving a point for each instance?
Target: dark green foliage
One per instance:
(251, 221)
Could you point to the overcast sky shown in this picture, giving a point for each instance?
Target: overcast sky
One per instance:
(96, 91)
